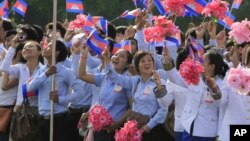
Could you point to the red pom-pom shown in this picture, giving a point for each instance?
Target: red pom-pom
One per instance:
(99, 118)
(216, 8)
(190, 71)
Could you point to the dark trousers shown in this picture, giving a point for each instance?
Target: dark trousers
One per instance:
(156, 134)
(178, 136)
(72, 121)
(103, 135)
(61, 132)
(188, 137)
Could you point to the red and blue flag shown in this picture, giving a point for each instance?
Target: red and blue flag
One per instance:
(236, 4)
(196, 50)
(96, 43)
(123, 45)
(160, 7)
(130, 14)
(74, 6)
(28, 93)
(195, 7)
(20, 7)
(228, 21)
(4, 9)
(89, 25)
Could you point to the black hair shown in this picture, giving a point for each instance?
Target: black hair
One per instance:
(121, 29)
(229, 43)
(111, 31)
(220, 66)
(10, 32)
(111, 44)
(138, 57)
(20, 48)
(59, 26)
(182, 56)
(29, 30)
(7, 25)
(136, 42)
(248, 57)
(129, 57)
(60, 46)
(39, 31)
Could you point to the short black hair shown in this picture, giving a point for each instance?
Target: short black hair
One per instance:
(10, 32)
(29, 30)
(121, 29)
(111, 31)
(40, 32)
(7, 25)
(59, 26)
(60, 46)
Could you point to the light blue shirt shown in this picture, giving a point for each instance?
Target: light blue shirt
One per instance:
(144, 100)
(65, 78)
(84, 99)
(112, 96)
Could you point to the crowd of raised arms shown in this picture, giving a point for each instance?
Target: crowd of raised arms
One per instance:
(206, 78)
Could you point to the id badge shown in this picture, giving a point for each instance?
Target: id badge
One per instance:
(147, 90)
(117, 88)
(209, 99)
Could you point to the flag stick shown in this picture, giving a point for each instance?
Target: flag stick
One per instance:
(114, 19)
(53, 86)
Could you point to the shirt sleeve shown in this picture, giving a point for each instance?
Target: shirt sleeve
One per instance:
(6, 65)
(158, 118)
(174, 76)
(36, 81)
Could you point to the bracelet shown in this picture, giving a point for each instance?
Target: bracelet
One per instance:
(215, 93)
(83, 57)
(160, 93)
(168, 65)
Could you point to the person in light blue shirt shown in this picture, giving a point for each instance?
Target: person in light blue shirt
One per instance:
(145, 86)
(64, 78)
(112, 95)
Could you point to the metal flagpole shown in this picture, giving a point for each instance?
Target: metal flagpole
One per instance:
(53, 86)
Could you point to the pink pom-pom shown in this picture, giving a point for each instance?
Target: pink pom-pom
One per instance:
(176, 7)
(190, 71)
(216, 8)
(129, 132)
(99, 118)
(239, 78)
(170, 29)
(240, 32)
(79, 22)
(154, 34)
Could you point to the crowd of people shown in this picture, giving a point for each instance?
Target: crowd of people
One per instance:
(144, 80)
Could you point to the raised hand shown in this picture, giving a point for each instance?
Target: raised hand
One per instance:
(221, 39)
(200, 30)
(157, 79)
(211, 28)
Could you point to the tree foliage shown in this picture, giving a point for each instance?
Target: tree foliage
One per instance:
(41, 11)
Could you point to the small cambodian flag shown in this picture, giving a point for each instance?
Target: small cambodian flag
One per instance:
(195, 6)
(4, 9)
(123, 45)
(20, 7)
(130, 14)
(74, 6)
(96, 43)
(236, 4)
(160, 7)
(228, 21)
